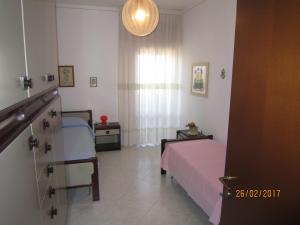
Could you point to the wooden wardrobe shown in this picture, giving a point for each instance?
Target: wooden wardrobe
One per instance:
(32, 175)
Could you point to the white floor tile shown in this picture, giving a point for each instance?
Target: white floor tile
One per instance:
(133, 192)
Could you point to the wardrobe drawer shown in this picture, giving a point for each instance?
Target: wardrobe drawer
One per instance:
(54, 113)
(43, 124)
(44, 155)
(107, 132)
(42, 131)
(44, 180)
(56, 196)
(45, 209)
(38, 134)
(50, 210)
(43, 134)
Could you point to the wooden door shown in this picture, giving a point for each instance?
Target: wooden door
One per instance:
(264, 129)
(12, 56)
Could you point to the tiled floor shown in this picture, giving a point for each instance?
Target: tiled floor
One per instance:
(133, 192)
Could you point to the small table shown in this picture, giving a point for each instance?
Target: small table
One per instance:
(184, 134)
(107, 136)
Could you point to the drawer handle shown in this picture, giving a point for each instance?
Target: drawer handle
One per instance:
(46, 124)
(49, 77)
(48, 148)
(53, 212)
(107, 132)
(53, 113)
(51, 191)
(33, 143)
(50, 170)
(25, 82)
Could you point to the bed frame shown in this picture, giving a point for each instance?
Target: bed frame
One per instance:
(87, 116)
(164, 142)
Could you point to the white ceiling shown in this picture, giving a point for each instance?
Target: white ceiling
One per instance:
(180, 5)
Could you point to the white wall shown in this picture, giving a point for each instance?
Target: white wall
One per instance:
(208, 36)
(88, 39)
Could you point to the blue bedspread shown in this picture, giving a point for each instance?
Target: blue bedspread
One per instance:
(71, 122)
(78, 139)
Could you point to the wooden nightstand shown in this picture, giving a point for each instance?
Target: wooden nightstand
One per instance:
(184, 134)
(107, 137)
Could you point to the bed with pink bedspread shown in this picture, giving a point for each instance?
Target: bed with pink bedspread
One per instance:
(197, 165)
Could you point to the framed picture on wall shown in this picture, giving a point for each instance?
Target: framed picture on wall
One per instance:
(200, 79)
(66, 76)
(93, 81)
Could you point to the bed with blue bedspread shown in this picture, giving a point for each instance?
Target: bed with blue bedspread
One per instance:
(80, 155)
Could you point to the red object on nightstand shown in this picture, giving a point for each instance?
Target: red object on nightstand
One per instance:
(103, 119)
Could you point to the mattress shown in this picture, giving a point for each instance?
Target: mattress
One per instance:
(197, 165)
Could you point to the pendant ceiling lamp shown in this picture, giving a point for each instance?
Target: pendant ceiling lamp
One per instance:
(140, 17)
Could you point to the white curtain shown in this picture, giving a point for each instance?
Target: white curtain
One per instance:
(150, 83)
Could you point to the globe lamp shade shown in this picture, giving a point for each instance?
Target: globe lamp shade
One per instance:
(140, 17)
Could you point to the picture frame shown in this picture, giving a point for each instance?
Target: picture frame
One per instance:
(66, 76)
(93, 82)
(200, 73)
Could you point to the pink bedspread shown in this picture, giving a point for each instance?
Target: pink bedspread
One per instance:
(197, 165)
